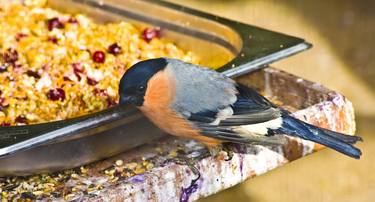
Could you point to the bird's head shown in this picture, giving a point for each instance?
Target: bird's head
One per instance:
(133, 84)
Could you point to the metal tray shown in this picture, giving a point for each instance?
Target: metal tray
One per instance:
(231, 47)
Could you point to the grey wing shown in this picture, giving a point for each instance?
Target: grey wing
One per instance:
(249, 120)
(200, 89)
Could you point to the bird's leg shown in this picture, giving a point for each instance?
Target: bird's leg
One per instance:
(190, 162)
(182, 159)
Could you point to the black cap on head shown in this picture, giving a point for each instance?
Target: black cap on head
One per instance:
(133, 83)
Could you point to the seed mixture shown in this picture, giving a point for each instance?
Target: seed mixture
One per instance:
(55, 66)
(70, 184)
(87, 180)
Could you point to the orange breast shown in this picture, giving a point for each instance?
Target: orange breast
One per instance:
(158, 98)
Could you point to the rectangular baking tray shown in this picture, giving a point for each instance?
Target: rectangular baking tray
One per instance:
(230, 47)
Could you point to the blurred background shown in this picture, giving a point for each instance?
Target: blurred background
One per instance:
(342, 59)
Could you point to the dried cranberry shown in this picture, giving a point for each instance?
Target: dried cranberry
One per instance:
(10, 56)
(73, 20)
(52, 39)
(19, 36)
(91, 81)
(98, 57)
(56, 94)
(149, 33)
(1, 92)
(54, 23)
(114, 49)
(33, 74)
(21, 119)
(5, 124)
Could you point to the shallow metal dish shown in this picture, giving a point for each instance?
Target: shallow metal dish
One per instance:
(232, 47)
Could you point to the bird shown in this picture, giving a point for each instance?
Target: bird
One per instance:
(196, 102)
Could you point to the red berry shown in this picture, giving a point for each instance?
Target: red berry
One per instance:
(21, 119)
(98, 57)
(149, 33)
(114, 49)
(91, 81)
(56, 94)
(54, 23)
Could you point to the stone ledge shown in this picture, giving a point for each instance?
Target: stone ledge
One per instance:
(170, 182)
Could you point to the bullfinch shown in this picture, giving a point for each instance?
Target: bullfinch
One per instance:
(191, 101)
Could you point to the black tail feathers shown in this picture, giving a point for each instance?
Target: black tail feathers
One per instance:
(350, 139)
(337, 141)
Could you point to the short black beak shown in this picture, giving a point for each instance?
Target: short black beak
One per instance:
(126, 100)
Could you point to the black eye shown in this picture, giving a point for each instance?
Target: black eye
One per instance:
(141, 89)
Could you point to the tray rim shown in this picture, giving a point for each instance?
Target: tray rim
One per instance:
(239, 65)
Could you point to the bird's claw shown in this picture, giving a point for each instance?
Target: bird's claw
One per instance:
(190, 162)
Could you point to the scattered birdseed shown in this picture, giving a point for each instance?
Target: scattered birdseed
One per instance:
(69, 184)
(102, 52)
(119, 162)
